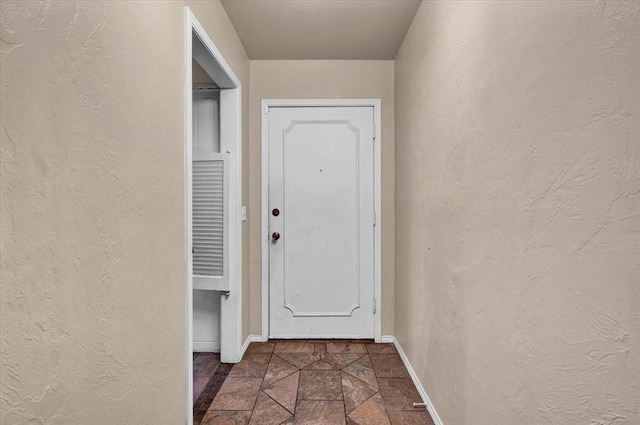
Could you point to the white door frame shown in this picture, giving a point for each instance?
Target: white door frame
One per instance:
(377, 205)
(212, 61)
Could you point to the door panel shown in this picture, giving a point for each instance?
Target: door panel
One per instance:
(210, 197)
(210, 220)
(321, 181)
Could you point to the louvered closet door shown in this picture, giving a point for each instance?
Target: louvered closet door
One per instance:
(210, 221)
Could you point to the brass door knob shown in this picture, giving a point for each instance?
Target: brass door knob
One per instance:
(275, 236)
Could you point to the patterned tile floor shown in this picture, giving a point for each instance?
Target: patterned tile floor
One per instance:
(307, 382)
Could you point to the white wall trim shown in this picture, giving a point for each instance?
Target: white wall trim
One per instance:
(377, 119)
(251, 338)
(231, 141)
(388, 339)
(188, 216)
(416, 381)
(264, 219)
(206, 346)
(257, 338)
(231, 304)
(245, 345)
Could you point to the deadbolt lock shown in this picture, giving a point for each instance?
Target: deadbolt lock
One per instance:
(275, 212)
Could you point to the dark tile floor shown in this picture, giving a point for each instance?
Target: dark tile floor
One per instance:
(208, 376)
(306, 382)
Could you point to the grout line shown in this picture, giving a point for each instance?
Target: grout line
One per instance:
(260, 386)
(344, 405)
(366, 383)
(368, 398)
(278, 380)
(277, 402)
(340, 368)
(295, 409)
(386, 411)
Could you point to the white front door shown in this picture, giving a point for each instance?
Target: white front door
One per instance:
(321, 249)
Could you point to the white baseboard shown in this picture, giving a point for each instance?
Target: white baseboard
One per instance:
(251, 338)
(206, 346)
(416, 381)
(257, 338)
(244, 347)
(387, 339)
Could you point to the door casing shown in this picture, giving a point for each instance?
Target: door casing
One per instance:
(377, 119)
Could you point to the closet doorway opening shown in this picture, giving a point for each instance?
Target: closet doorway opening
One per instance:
(212, 204)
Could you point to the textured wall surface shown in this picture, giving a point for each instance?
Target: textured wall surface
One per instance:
(517, 214)
(319, 79)
(91, 179)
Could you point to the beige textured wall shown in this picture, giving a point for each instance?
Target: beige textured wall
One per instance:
(517, 214)
(320, 79)
(91, 180)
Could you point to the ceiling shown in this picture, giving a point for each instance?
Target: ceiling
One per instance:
(321, 29)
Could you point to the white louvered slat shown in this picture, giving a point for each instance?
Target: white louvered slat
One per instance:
(209, 238)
